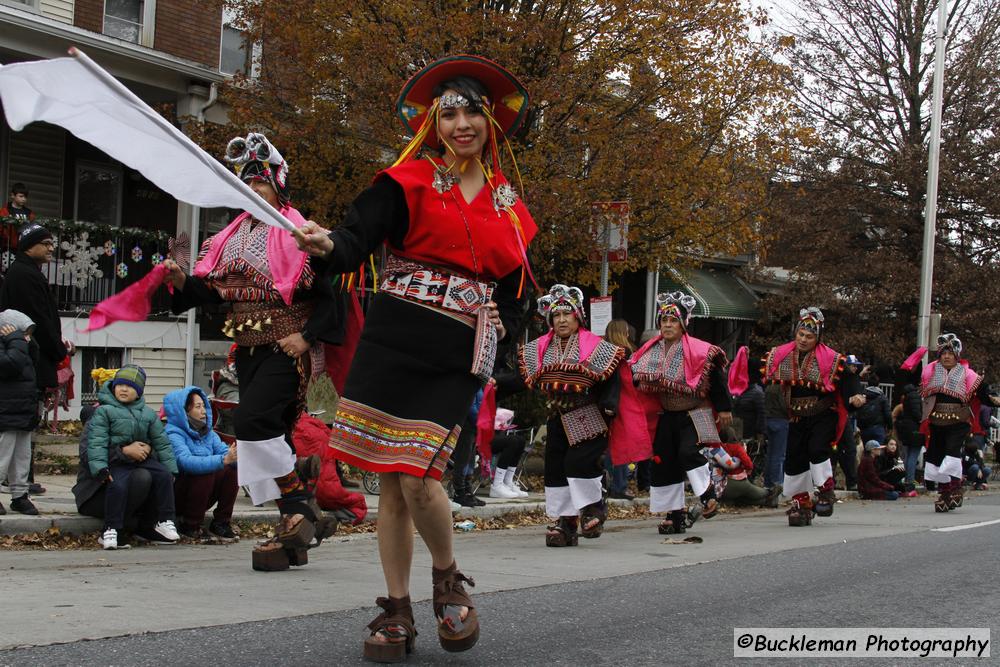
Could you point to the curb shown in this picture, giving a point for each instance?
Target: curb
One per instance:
(75, 524)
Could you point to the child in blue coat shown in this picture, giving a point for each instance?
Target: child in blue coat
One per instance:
(207, 466)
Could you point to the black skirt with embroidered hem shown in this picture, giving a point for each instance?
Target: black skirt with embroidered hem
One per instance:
(408, 391)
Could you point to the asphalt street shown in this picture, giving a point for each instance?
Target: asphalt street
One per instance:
(626, 599)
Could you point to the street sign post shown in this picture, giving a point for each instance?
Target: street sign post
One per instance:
(609, 229)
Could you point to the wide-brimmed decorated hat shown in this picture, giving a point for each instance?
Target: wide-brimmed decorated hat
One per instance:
(508, 98)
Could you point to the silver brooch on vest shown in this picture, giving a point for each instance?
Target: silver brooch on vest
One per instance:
(443, 180)
(504, 197)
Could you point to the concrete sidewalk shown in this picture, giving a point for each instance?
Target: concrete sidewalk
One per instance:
(58, 509)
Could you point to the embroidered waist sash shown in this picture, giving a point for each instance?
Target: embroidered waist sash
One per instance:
(456, 296)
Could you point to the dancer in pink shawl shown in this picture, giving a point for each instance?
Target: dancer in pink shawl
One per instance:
(817, 393)
(575, 369)
(686, 377)
(281, 313)
(953, 393)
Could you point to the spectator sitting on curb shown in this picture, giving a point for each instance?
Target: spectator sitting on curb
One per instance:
(974, 469)
(18, 406)
(207, 466)
(125, 436)
(731, 468)
(870, 487)
(890, 469)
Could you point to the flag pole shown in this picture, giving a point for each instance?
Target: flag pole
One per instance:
(933, 162)
(197, 152)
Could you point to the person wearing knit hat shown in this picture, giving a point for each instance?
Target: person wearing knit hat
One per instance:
(132, 376)
(31, 235)
(953, 394)
(18, 406)
(576, 372)
(125, 435)
(817, 392)
(25, 287)
(685, 379)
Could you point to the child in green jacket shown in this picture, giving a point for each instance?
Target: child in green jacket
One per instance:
(125, 435)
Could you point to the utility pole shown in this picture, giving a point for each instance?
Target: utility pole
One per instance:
(930, 209)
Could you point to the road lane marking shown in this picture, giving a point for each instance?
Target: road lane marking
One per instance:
(950, 529)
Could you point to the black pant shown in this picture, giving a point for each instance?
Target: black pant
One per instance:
(465, 451)
(269, 386)
(946, 441)
(509, 446)
(676, 446)
(809, 441)
(140, 509)
(581, 461)
(162, 489)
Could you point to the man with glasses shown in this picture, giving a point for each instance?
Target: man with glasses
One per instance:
(26, 289)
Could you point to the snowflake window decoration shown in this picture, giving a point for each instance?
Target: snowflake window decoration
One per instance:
(156, 258)
(136, 254)
(122, 270)
(109, 248)
(80, 260)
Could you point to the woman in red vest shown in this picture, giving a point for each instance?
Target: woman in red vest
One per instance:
(456, 233)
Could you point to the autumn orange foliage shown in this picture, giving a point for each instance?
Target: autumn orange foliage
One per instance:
(670, 104)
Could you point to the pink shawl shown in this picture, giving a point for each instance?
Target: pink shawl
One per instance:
(914, 359)
(739, 372)
(971, 377)
(695, 357)
(284, 258)
(826, 357)
(588, 343)
(485, 426)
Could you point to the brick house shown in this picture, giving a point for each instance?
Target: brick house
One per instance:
(172, 54)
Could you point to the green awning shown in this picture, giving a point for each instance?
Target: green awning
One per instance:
(720, 294)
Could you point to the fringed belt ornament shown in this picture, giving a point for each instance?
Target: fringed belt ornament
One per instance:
(948, 414)
(584, 423)
(457, 295)
(254, 323)
(810, 406)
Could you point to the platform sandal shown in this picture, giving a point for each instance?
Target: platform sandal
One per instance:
(801, 512)
(562, 533)
(272, 556)
(395, 624)
(824, 502)
(593, 515)
(674, 524)
(454, 633)
(956, 497)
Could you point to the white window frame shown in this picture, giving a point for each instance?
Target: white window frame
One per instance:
(98, 166)
(33, 6)
(148, 32)
(255, 50)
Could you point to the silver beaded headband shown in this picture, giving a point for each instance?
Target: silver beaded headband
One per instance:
(453, 101)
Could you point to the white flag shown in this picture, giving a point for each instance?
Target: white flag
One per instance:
(76, 94)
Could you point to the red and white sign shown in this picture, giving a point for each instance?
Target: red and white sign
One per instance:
(609, 229)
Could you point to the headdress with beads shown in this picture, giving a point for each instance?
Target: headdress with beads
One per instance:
(677, 304)
(505, 107)
(562, 298)
(254, 158)
(949, 341)
(811, 319)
